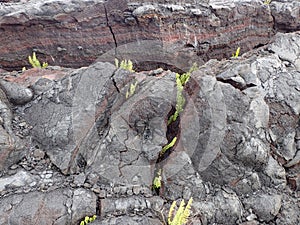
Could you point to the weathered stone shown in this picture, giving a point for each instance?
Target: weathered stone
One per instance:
(247, 184)
(84, 203)
(59, 136)
(20, 179)
(276, 174)
(286, 47)
(253, 222)
(54, 207)
(11, 149)
(294, 182)
(16, 93)
(286, 15)
(288, 211)
(34, 208)
(216, 210)
(129, 205)
(265, 206)
(129, 220)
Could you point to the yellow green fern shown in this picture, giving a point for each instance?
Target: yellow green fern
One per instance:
(181, 80)
(88, 219)
(237, 52)
(168, 146)
(125, 64)
(182, 213)
(157, 180)
(131, 90)
(35, 63)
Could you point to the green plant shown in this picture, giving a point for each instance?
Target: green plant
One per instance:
(88, 219)
(184, 78)
(168, 146)
(180, 101)
(237, 52)
(182, 213)
(125, 64)
(35, 63)
(157, 180)
(181, 80)
(131, 90)
(267, 2)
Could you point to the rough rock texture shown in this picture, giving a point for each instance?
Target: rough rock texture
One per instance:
(61, 206)
(237, 152)
(75, 33)
(82, 142)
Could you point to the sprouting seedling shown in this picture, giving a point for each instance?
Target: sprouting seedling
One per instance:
(168, 146)
(237, 52)
(88, 219)
(157, 180)
(131, 90)
(35, 63)
(267, 2)
(182, 213)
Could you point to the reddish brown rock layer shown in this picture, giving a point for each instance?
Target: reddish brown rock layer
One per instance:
(76, 33)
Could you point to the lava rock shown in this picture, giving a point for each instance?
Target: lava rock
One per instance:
(265, 206)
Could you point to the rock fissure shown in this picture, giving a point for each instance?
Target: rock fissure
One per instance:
(110, 29)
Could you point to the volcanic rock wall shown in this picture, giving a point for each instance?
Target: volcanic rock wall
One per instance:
(74, 143)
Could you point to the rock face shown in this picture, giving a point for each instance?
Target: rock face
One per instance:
(76, 33)
(89, 141)
(62, 206)
(233, 154)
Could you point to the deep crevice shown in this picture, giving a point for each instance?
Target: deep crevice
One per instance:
(173, 130)
(111, 30)
(115, 83)
(98, 208)
(236, 84)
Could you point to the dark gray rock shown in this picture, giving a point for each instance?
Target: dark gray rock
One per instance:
(275, 174)
(128, 220)
(215, 210)
(34, 208)
(11, 147)
(16, 93)
(130, 205)
(99, 130)
(62, 206)
(265, 206)
(289, 211)
(73, 105)
(18, 180)
(84, 203)
(286, 15)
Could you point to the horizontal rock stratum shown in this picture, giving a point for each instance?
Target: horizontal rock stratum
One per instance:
(75, 33)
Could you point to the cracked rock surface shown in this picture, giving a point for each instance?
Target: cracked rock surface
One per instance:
(83, 142)
(93, 150)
